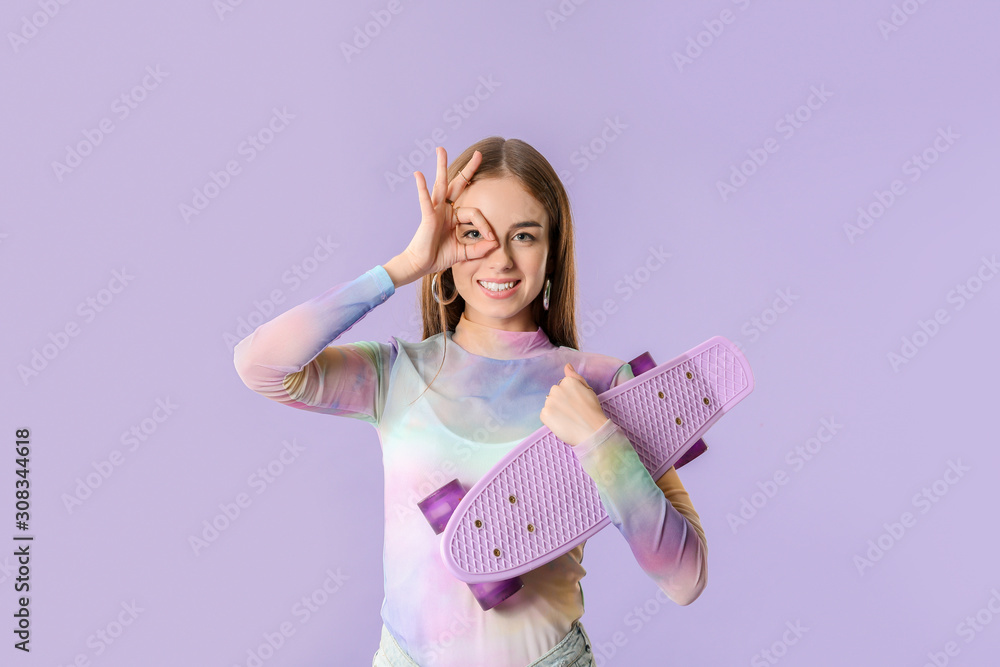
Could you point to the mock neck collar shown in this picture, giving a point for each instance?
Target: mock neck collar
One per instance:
(485, 341)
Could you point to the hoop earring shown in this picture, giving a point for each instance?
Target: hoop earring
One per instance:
(434, 293)
(548, 289)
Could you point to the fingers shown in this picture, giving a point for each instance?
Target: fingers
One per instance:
(475, 218)
(467, 221)
(441, 181)
(481, 249)
(445, 190)
(571, 373)
(458, 184)
(477, 249)
(426, 206)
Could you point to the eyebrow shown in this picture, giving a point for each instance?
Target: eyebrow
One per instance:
(516, 225)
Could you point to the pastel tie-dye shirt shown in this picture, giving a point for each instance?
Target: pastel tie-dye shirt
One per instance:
(475, 411)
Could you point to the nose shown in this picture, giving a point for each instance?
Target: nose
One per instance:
(499, 257)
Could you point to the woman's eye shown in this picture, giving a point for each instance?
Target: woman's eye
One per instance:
(528, 237)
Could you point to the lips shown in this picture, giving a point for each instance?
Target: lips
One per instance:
(502, 293)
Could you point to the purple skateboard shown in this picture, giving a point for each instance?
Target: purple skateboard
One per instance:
(538, 503)
(440, 505)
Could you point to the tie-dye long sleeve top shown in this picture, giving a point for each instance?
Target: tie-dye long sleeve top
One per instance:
(476, 410)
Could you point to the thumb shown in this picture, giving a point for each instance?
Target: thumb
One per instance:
(571, 372)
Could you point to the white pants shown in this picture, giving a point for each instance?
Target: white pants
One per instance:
(573, 650)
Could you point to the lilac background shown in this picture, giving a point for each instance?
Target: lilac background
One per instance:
(168, 335)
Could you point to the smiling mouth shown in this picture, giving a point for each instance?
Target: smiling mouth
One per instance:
(499, 289)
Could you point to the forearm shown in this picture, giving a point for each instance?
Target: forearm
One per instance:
(667, 541)
(289, 341)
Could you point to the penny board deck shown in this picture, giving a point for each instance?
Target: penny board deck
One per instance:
(538, 502)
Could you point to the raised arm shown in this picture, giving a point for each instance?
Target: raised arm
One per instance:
(656, 517)
(287, 359)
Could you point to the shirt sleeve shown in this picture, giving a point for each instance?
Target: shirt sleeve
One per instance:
(289, 359)
(656, 517)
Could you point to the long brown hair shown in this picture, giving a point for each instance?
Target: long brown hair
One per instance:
(503, 158)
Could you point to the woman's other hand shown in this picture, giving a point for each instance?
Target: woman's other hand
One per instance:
(437, 244)
(572, 411)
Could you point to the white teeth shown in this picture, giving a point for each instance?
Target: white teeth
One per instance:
(497, 287)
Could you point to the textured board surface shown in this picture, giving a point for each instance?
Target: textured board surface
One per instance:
(538, 502)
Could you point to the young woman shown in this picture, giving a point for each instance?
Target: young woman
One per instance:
(498, 359)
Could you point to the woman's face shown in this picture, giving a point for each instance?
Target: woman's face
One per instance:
(521, 226)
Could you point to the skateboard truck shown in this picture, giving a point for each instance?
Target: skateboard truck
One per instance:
(437, 509)
(644, 362)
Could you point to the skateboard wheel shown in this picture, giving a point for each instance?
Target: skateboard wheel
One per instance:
(437, 509)
(491, 593)
(439, 505)
(644, 362)
(697, 449)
